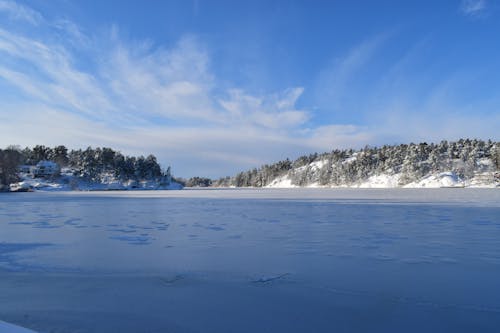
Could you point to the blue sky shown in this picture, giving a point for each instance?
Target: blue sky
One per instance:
(215, 87)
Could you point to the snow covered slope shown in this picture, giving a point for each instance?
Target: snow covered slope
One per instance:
(465, 163)
(68, 182)
(387, 180)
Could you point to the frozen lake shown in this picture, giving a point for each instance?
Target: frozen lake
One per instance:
(253, 260)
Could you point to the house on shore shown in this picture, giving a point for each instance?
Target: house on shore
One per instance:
(46, 169)
(27, 169)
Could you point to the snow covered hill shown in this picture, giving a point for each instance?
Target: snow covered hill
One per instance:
(436, 180)
(45, 168)
(68, 181)
(464, 163)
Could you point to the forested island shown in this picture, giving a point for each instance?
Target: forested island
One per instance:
(88, 169)
(462, 163)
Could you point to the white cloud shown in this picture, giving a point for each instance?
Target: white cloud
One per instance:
(45, 72)
(473, 8)
(75, 35)
(171, 83)
(273, 111)
(142, 98)
(16, 11)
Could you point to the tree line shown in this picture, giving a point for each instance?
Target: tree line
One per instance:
(91, 163)
(413, 161)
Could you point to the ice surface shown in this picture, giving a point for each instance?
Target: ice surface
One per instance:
(252, 260)
(9, 328)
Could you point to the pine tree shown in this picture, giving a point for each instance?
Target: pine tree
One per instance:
(10, 159)
(59, 155)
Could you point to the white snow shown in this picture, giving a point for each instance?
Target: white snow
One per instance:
(281, 182)
(485, 162)
(318, 164)
(437, 180)
(483, 180)
(315, 185)
(68, 182)
(381, 181)
(351, 159)
(443, 179)
(10, 328)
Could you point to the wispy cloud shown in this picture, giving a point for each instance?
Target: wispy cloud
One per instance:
(173, 84)
(83, 89)
(473, 8)
(73, 33)
(334, 80)
(272, 111)
(139, 97)
(402, 104)
(45, 72)
(16, 11)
